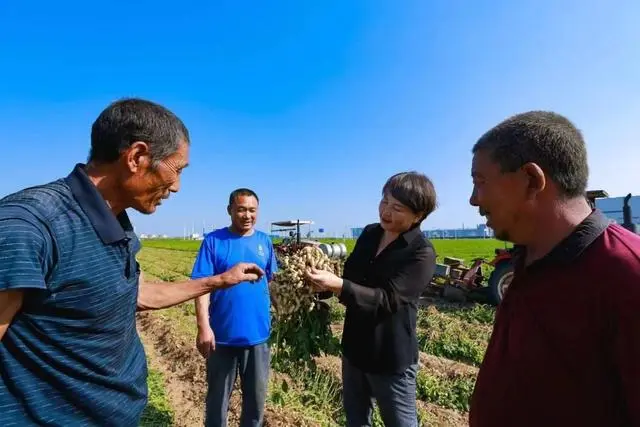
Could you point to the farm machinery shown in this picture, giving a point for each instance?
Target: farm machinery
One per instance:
(455, 281)
(294, 240)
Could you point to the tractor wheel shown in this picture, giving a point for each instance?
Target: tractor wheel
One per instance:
(499, 281)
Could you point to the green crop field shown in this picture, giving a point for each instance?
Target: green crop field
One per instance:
(305, 386)
(466, 249)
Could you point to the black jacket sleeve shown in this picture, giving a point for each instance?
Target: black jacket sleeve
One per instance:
(407, 284)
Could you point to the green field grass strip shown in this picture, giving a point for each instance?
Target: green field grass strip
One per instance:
(172, 260)
(162, 274)
(465, 249)
(163, 270)
(172, 244)
(158, 412)
(451, 393)
(194, 245)
(453, 338)
(166, 272)
(477, 314)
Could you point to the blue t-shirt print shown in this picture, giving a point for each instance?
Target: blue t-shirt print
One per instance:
(240, 315)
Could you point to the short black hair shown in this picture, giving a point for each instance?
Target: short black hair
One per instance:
(545, 138)
(242, 192)
(414, 190)
(128, 120)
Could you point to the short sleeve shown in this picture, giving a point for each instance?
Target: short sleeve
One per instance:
(26, 250)
(272, 266)
(204, 265)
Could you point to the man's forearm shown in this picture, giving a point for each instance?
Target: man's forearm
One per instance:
(154, 296)
(202, 311)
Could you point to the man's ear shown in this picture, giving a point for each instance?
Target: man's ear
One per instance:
(137, 157)
(535, 179)
(229, 209)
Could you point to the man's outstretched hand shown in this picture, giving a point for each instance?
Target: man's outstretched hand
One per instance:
(241, 272)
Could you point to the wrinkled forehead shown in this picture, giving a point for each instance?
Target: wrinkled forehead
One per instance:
(180, 158)
(182, 153)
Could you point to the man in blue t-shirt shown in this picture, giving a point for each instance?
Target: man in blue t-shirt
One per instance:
(234, 324)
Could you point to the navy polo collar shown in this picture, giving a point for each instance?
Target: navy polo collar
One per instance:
(110, 228)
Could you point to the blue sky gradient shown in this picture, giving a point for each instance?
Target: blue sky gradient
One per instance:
(315, 104)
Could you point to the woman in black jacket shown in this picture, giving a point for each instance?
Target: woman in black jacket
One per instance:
(390, 266)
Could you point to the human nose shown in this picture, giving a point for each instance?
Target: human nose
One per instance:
(175, 187)
(473, 200)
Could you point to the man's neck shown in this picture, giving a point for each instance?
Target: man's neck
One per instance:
(239, 232)
(106, 187)
(555, 226)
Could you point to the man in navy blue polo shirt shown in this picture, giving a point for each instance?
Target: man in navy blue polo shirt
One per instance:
(234, 324)
(69, 281)
(565, 348)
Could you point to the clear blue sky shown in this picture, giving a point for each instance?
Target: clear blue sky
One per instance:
(315, 104)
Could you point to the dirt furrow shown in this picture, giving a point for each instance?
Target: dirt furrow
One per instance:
(185, 377)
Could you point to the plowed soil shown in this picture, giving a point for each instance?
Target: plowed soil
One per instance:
(185, 377)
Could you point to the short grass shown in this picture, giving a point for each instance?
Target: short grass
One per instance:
(466, 249)
(158, 412)
(451, 337)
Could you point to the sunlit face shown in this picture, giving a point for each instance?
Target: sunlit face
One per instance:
(500, 197)
(148, 186)
(394, 216)
(244, 213)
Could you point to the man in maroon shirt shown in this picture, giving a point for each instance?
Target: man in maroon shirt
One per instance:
(565, 348)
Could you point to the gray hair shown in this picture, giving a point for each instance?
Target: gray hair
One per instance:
(128, 120)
